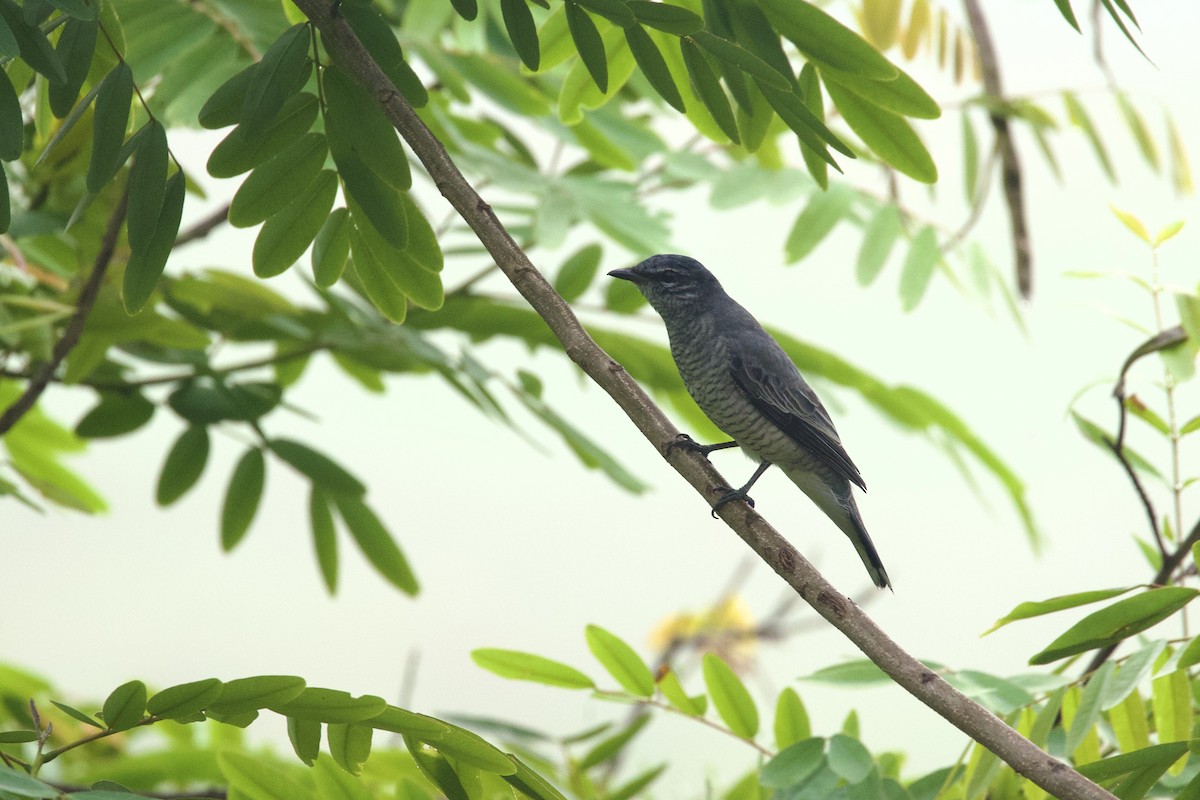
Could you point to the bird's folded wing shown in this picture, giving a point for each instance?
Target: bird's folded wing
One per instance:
(774, 386)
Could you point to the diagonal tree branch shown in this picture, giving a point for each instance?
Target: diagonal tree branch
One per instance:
(1010, 166)
(1026, 758)
(42, 376)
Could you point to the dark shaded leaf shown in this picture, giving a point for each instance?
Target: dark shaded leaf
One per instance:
(825, 40)
(653, 66)
(467, 9)
(376, 543)
(116, 414)
(377, 36)
(32, 44)
(76, 44)
(184, 465)
(147, 185)
(737, 56)
(615, 11)
(12, 122)
(324, 536)
(242, 497)
(665, 17)
(109, 121)
(224, 106)
(518, 20)
(331, 248)
(282, 72)
(287, 234)
(184, 700)
(814, 100)
(317, 467)
(146, 264)
(588, 43)
(239, 152)
(708, 88)
(276, 183)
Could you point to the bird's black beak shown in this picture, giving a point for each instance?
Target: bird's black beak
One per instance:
(626, 275)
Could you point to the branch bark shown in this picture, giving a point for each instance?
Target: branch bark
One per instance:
(1026, 758)
(42, 376)
(1010, 165)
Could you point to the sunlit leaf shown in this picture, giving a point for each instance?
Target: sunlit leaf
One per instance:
(730, 697)
(1117, 622)
(621, 661)
(529, 667)
(376, 543)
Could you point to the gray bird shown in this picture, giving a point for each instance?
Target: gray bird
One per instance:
(746, 384)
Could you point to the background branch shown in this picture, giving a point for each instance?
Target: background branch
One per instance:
(1010, 166)
(42, 376)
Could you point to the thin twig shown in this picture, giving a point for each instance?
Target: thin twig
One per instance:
(204, 227)
(1010, 166)
(1053, 775)
(87, 298)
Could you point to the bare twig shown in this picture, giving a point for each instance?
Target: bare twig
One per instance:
(204, 227)
(87, 298)
(1010, 166)
(1026, 758)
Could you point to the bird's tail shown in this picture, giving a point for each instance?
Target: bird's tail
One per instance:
(834, 497)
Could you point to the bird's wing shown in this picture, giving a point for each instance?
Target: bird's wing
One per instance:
(774, 386)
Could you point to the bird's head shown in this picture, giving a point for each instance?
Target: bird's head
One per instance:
(671, 283)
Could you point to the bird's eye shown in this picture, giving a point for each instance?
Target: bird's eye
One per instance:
(670, 274)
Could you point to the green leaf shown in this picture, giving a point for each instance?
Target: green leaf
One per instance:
(970, 161)
(1079, 117)
(637, 784)
(324, 536)
(253, 777)
(708, 88)
(791, 719)
(825, 40)
(240, 152)
(350, 745)
(858, 672)
(665, 17)
(377, 36)
(282, 72)
(1128, 720)
(261, 691)
(146, 264)
(12, 122)
(380, 204)
(5, 203)
(1172, 701)
(729, 695)
(465, 746)
(821, 214)
(305, 736)
(331, 248)
(1087, 713)
(317, 467)
(900, 94)
(625, 665)
(22, 785)
(814, 100)
(242, 497)
(147, 186)
(1139, 129)
(516, 665)
(742, 59)
(849, 759)
(794, 764)
(376, 543)
(329, 705)
(1133, 670)
(577, 272)
(518, 21)
(8, 42)
(275, 184)
(805, 124)
(887, 134)
(184, 465)
(360, 133)
(1117, 622)
(1064, 8)
(109, 121)
(76, 714)
(615, 11)
(1159, 756)
(76, 45)
(589, 44)
(18, 737)
(423, 250)
(653, 66)
(436, 769)
(878, 239)
(32, 44)
(919, 264)
(1099, 437)
(184, 700)
(115, 415)
(609, 748)
(377, 286)
(125, 707)
(672, 690)
(397, 720)
(224, 107)
(287, 234)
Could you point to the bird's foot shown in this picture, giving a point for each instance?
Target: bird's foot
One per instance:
(685, 442)
(729, 497)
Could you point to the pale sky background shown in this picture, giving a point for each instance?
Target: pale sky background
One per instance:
(521, 548)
